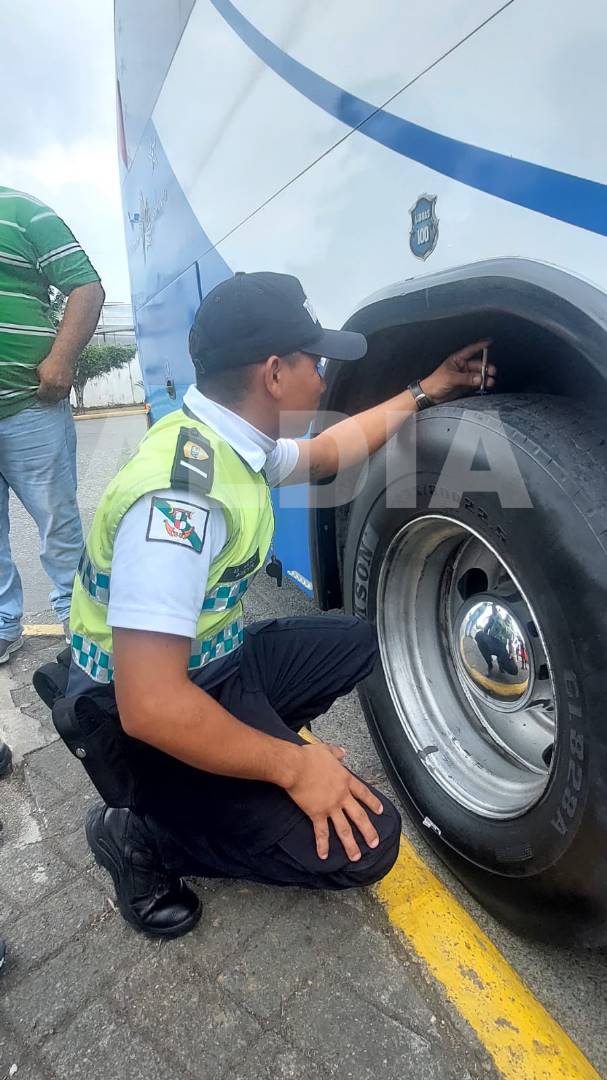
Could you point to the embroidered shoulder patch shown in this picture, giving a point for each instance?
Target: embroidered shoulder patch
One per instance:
(177, 523)
(193, 464)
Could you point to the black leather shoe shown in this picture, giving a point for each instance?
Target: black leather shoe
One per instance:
(6, 760)
(150, 899)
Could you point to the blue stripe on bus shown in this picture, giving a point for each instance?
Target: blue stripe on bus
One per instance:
(568, 198)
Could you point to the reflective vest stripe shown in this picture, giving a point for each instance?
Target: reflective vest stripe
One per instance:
(225, 596)
(94, 581)
(99, 664)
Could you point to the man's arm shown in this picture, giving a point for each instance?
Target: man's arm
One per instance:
(189, 724)
(61, 262)
(56, 372)
(353, 440)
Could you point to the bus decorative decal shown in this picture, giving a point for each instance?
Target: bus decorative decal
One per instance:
(142, 222)
(423, 237)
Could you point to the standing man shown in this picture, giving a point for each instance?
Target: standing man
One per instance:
(37, 435)
(225, 787)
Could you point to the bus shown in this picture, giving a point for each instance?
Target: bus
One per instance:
(434, 174)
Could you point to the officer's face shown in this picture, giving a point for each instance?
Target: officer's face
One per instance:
(301, 391)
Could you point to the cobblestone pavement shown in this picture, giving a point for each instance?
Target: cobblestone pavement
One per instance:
(272, 983)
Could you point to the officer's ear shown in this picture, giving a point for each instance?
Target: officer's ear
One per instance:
(272, 376)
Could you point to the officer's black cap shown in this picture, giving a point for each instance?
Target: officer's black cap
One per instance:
(252, 316)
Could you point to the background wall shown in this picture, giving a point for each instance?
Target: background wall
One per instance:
(123, 387)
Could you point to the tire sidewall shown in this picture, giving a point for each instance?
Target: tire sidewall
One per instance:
(548, 549)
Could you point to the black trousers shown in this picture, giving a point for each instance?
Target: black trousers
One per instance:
(491, 646)
(289, 671)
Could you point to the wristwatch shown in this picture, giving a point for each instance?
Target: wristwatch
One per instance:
(422, 400)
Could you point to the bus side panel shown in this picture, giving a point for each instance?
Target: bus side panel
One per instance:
(291, 535)
(344, 222)
(163, 235)
(163, 325)
(146, 37)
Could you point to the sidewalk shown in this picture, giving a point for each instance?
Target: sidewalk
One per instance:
(272, 983)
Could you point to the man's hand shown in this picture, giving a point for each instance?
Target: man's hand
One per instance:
(460, 373)
(55, 374)
(326, 791)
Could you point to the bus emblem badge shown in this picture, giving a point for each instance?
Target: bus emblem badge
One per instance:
(424, 227)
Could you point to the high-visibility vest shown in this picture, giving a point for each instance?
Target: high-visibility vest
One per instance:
(183, 454)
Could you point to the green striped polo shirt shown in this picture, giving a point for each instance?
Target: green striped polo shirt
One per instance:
(37, 250)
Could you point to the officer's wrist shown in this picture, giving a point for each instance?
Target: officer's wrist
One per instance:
(287, 765)
(431, 392)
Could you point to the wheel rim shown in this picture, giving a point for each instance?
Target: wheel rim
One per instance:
(485, 736)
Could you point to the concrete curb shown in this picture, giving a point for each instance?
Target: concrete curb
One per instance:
(102, 414)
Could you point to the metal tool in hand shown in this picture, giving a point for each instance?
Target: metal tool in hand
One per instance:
(483, 386)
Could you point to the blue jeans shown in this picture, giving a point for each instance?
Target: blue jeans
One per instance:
(38, 461)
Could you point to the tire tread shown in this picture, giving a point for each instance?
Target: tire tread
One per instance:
(563, 436)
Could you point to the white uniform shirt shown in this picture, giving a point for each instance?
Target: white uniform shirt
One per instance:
(161, 586)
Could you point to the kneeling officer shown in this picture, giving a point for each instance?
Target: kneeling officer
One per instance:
(224, 785)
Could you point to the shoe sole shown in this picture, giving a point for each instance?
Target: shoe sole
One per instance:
(14, 645)
(104, 858)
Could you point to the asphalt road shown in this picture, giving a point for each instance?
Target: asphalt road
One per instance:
(571, 985)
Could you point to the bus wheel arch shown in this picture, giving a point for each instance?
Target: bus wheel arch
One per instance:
(549, 336)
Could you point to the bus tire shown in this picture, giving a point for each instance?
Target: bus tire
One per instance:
(420, 561)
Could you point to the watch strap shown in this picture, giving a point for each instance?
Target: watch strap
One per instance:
(422, 401)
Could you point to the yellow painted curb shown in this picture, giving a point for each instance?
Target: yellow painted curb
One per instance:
(525, 1042)
(101, 414)
(43, 630)
(501, 689)
(522, 1038)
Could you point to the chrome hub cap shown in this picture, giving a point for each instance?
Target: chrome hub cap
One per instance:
(467, 666)
(492, 650)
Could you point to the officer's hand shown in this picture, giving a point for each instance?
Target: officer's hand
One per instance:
(459, 374)
(326, 791)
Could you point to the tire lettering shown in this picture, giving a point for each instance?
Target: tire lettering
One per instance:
(574, 774)
(570, 801)
(558, 822)
(468, 504)
(365, 552)
(576, 744)
(571, 686)
(362, 570)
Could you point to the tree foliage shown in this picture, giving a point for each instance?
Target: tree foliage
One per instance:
(95, 360)
(57, 302)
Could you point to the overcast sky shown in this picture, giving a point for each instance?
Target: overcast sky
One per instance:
(58, 121)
